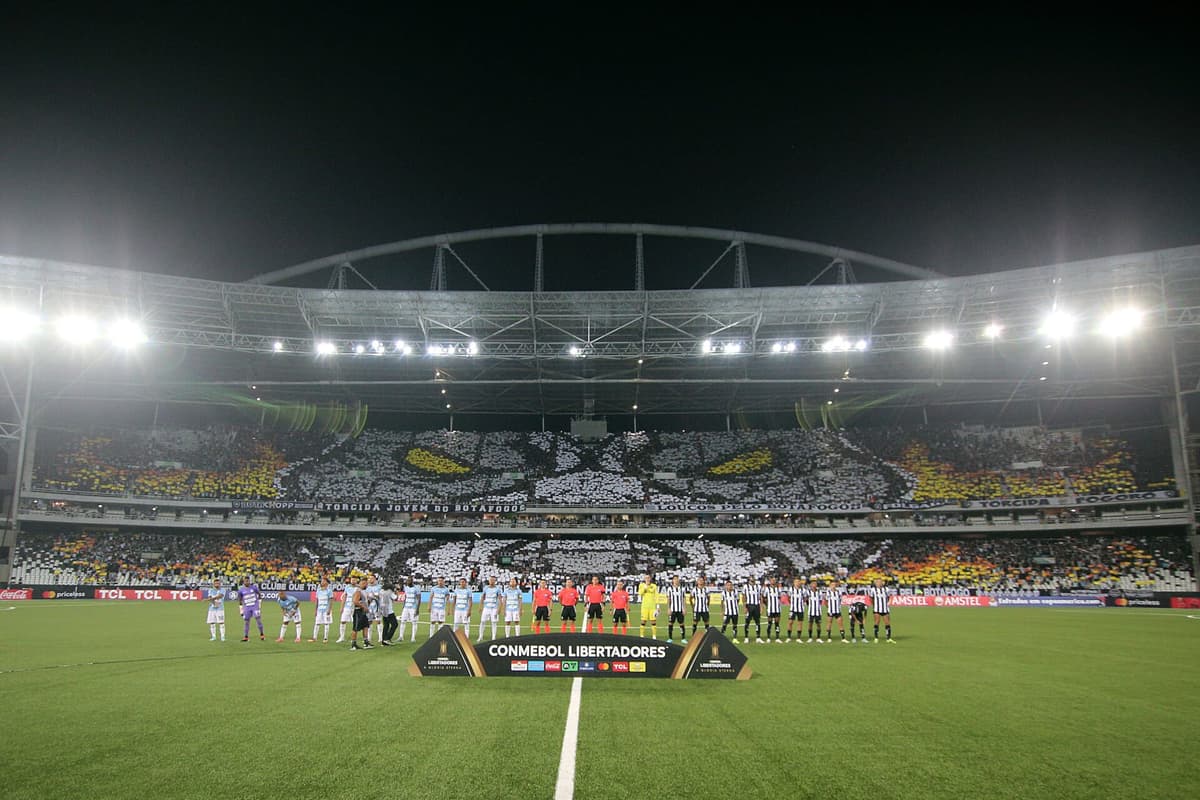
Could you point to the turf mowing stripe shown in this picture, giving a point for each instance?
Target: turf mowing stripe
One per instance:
(564, 787)
(143, 660)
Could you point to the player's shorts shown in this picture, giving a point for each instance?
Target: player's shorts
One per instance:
(374, 616)
(676, 616)
(255, 612)
(700, 616)
(796, 615)
(568, 613)
(347, 613)
(541, 613)
(753, 612)
(620, 615)
(461, 616)
(361, 623)
(291, 616)
(731, 618)
(883, 613)
(408, 614)
(437, 615)
(324, 617)
(595, 611)
(649, 614)
(216, 616)
(835, 615)
(512, 615)
(772, 615)
(815, 618)
(489, 615)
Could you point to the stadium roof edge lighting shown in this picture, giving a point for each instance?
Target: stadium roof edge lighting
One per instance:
(678, 351)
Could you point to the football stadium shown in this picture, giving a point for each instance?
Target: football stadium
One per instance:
(939, 531)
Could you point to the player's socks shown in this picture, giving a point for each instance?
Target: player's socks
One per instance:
(222, 626)
(212, 631)
(888, 628)
(342, 632)
(282, 631)
(876, 631)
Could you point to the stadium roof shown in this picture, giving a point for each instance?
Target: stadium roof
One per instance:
(666, 351)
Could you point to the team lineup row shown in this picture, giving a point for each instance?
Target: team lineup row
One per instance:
(369, 603)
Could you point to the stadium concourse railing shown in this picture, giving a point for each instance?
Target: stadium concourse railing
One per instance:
(111, 511)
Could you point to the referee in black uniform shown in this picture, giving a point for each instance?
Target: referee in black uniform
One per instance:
(753, 596)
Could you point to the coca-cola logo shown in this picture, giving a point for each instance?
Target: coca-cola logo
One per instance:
(16, 594)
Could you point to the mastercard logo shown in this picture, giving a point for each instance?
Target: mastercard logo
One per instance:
(49, 595)
(603, 666)
(1121, 601)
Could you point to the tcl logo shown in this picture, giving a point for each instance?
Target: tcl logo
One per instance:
(147, 594)
(16, 594)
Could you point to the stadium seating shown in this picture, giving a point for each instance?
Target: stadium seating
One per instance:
(1021, 565)
(778, 468)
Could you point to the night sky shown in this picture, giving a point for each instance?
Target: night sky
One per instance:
(227, 146)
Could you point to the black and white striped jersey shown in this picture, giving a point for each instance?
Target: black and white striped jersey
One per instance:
(813, 602)
(772, 599)
(700, 599)
(796, 597)
(753, 594)
(880, 599)
(833, 600)
(729, 602)
(676, 599)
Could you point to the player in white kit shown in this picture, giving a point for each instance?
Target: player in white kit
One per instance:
(347, 609)
(216, 610)
(437, 605)
(374, 615)
(512, 608)
(490, 602)
(462, 606)
(324, 615)
(411, 608)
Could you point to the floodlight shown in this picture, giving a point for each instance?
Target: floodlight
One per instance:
(939, 340)
(326, 348)
(733, 347)
(377, 346)
(635, 406)
(574, 350)
(790, 347)
(18, 325)
(861, 345)
(835, 345)
(277, 347)
(1121, 322)
(359, 349)
(75, 329)
(126, 333)
(706, 346)
(777, 347)
(1057, 325)
(473, 348)
(993, 331)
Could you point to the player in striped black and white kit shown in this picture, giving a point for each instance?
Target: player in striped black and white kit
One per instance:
(796, 603)
(881, 604)
(676, 607)
(772, 597)
(752, 595)
(699, 604)
(833, 604)
(729, 607)
(814, 601)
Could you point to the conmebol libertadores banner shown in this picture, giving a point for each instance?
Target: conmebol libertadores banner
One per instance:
(588, 655)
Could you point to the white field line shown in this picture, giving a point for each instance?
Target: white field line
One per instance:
(564, 787)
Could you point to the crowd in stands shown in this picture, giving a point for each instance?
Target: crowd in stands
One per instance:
(1052, 565)
(776, 468)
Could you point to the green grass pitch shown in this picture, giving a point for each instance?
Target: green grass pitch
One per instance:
(128, 699)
